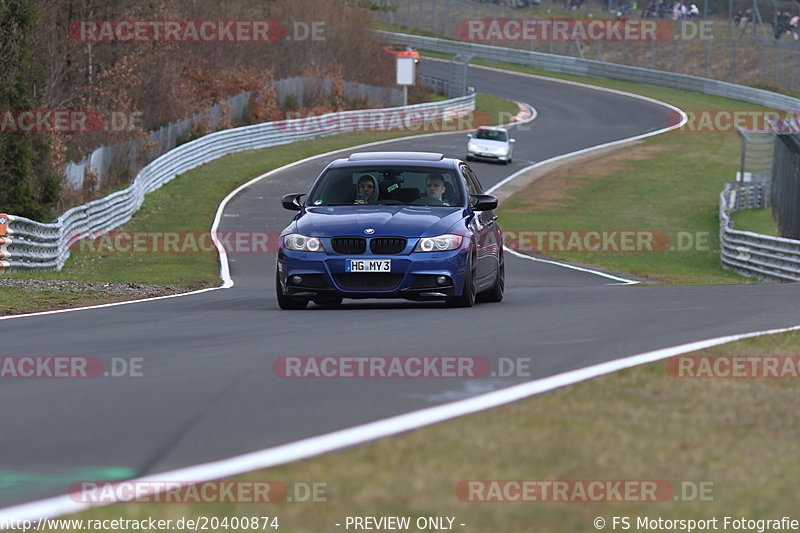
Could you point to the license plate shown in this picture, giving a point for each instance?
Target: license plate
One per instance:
(368, 265)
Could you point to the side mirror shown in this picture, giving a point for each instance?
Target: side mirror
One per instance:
(483, 202)
(513, 140)
(469, 136)
(292, 201)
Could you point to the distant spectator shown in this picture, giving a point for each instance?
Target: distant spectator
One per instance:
(781, 24)
(654, 9)
(746, 19)
(794, 27)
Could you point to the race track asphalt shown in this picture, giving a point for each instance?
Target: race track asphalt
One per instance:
(209, 390)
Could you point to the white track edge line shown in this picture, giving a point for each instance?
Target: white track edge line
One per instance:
(622, 281)
(313, 446)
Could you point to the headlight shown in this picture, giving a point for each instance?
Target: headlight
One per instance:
(503, 150)
(301, 243)
(440, 243)
(472, 146)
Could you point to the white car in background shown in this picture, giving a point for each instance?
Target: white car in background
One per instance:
(490, 143)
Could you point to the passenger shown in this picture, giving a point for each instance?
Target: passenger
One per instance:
(367, 192)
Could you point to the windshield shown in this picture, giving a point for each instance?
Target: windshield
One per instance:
(491, 135)
(381, 185)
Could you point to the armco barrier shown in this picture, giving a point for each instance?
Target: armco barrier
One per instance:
(31, 245)
(751, 254)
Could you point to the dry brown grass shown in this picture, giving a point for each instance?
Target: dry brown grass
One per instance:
(547, 190)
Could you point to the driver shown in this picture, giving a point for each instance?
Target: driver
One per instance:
(435, 187)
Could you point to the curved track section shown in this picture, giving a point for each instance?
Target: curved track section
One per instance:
(209, 390)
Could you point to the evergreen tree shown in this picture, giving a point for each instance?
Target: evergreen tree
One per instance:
(21, 154)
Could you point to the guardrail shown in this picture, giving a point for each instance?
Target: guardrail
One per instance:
(598, 69)
(29, 245)
(753, 254)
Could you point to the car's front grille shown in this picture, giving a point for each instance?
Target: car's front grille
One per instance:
(387, 245)
(349, 245)
(368, 281)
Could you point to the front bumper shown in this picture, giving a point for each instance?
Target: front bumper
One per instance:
(317, 275)
(487, 156)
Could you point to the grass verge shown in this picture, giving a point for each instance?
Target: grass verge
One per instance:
(188, 204)
(15, 300)
(733, 439)
(756, 220)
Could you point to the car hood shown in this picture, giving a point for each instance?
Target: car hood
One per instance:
(486, 143)
(400, 221)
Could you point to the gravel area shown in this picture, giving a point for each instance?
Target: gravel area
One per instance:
(130, 290)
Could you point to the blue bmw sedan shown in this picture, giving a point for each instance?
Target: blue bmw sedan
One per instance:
(411, 225)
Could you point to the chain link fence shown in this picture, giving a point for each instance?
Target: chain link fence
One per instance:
(127, 158)
(749, 54)
(756, 160)
(755, 171)
(785, 194)
(457, 83)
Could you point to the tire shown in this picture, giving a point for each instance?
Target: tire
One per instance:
(495, 292)
(467, 298)
(287, 302)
